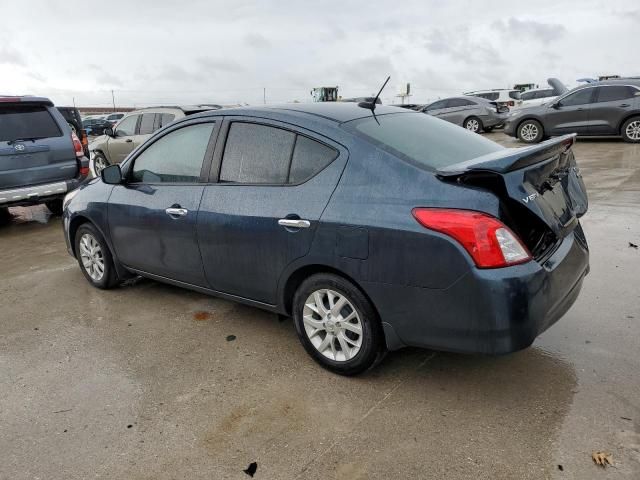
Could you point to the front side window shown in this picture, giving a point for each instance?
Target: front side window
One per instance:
(615, 93)
(174, 158)
(146, 125)
(26, 121)
(127, 126)
(256, 154)
(422, 139)
(528, 95)
(581, 97)
(515, 94)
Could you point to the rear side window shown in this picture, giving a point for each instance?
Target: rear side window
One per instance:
(309, 157)
(175, 158)
(166, 119)
(256, 154)
(422, 139)
(612, 94)
(487, 95)
(26, 121)
(436, 106)
(146, 125)
(459, 102)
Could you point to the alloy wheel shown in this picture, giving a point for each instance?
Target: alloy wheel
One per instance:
(473, 125)
(529, 132)
(99, 164)
(633, 130)
(333, 325)
(91, 257)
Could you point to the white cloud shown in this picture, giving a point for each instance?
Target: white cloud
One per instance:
(157, 51)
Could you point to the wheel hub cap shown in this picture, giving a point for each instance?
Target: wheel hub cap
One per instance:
(91, 257)
(633, 130)
(332, 324)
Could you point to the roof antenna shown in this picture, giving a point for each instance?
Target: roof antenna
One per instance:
(372, 105)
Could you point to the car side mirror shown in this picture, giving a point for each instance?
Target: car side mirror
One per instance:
(555, 105)
(112, 175)
(109, 131)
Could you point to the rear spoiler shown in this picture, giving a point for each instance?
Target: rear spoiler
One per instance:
(510, 159)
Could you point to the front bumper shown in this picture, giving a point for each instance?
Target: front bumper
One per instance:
(491, 311)
(510, 127)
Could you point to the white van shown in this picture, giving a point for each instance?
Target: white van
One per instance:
(537, 96)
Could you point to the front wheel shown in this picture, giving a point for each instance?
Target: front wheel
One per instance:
(631, 130)
(337, 324)
(530, 131)
(94, 257)
(473, 124)
(99, 163)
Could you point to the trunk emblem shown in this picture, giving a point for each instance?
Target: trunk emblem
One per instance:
(19, 148)
(530, 198)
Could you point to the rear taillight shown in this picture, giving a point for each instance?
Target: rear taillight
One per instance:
(511, 103)
(490, 243)
(77, 145)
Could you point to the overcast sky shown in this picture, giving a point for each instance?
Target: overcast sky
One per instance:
(157, 51)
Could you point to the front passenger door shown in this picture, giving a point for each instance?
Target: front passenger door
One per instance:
(152, 216)
(121, 144)
(570, 114)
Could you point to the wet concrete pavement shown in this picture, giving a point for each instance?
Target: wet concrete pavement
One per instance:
(138, 383)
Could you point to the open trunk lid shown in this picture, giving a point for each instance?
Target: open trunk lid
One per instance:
(540, 187)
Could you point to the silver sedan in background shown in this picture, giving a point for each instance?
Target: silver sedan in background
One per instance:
(473, 113)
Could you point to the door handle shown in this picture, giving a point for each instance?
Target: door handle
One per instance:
(294, 223)
(176, 212)
(624, 105)
(128, 140)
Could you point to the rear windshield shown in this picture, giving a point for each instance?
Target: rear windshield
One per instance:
(422, 139)
(26, 121)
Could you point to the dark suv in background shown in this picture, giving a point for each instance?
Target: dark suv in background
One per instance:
(41, 158)
(609, 108)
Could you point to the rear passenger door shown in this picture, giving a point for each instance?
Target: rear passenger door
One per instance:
(457, 110)
(612, 104)
(146, 128)
(270, 184)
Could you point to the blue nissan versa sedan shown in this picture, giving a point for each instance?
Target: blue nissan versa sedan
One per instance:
(373, 229)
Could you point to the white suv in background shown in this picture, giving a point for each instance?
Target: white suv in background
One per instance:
(537, 96)
(502, 96)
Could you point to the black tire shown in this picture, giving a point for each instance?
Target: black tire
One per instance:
(488, 129)
(54, 206)
(99, 163)
(530, 131)
(630, 130)
(109, 278)
(371, 339)
(473, 124)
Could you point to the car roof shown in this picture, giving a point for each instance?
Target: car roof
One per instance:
(332, 111)
(25, 99)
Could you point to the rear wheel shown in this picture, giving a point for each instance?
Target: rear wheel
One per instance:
(94, 257)
(631, 130)
(337, 324)
(54, 206)
(473, 124)
(530, 131)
